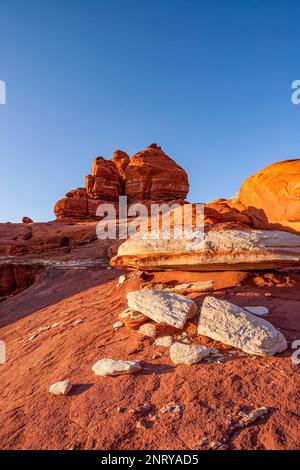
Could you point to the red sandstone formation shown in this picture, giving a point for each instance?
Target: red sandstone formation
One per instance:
(272, 196)
(121, 160)
(76, 206)
(27, 220)
(149, 176)
(153, 175)
(227, 212)
(105, 183)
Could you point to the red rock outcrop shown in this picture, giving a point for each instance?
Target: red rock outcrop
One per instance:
(121, 160)
(153, 175)
(149, 176)
(27, 220)
(272, 196)
(16, 278)
(226, 212)
(77, 206)
(105, 183)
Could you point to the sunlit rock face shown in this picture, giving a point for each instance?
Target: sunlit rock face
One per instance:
(272, 196)
(149, 176)
(153, 175)
(105, 182)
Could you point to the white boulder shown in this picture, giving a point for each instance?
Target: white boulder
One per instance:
(188, 353)
(233, 325)
(61, 388)
(162, 307)
(164, 341)
(148, 329)
(106, 367)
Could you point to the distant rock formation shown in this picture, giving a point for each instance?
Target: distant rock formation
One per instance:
(152, 175)
(76, 206)
(121, 160)
(105, 183)
(272, 196)
(149, 176)
(27, 220)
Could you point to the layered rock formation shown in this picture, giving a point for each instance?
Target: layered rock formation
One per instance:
(121, 160)
(216, 251)
(105, 183)
(272, 196)
(223, 211)
(150, 175)
(76, 206)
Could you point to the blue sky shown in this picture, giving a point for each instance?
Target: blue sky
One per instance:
(210, 81)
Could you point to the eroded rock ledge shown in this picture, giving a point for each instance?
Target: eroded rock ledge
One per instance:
(217, 251)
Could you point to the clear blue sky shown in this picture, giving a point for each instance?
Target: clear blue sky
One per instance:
(208, 80)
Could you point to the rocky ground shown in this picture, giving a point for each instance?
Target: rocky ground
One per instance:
(61, 305)
(63, 323)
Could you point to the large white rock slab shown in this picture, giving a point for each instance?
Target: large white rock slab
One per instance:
(106, 367)
(233, 325)
(162, 307)
(216, 251)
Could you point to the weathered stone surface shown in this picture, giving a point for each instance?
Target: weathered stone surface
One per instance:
(171, 407)
(132, 318)
(216, 251)
(272, 196)
(164, 341)
(222, 210)
(162, 307)
(121, 161)
(15, 278)
(61, 388)
(27, 220)
(117, 325)
(149, 176)
(188, 353)
(189, 287)
(153, 175)
(106, 367)
(105, 183)
(148, 329)
(257, 310)
(71, 208)
(77, 206)
(230, 324)
(247, 419)
(121, 279)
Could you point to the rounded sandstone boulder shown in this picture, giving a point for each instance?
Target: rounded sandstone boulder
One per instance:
(272, 196)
